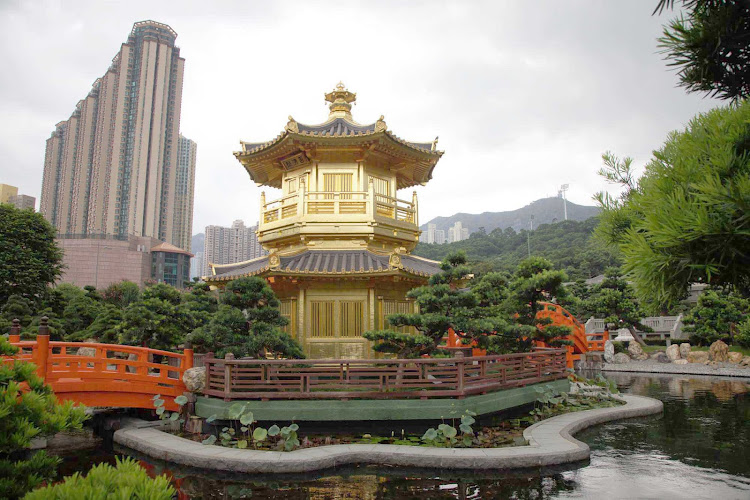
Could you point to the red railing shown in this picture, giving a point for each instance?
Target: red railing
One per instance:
(104, 374)
(376, 379)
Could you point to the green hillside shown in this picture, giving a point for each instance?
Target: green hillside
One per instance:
(568, 244)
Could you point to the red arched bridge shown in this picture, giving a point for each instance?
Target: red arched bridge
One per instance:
(104, 375)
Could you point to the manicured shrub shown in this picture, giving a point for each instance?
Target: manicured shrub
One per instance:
(127, 480)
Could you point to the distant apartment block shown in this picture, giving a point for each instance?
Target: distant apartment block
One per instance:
(184, 191)
(227, 245)
(9, 194)
(118, 166)
(196, 265)
(24, 202)
(430, 235)
(457, 232)
(433, 235)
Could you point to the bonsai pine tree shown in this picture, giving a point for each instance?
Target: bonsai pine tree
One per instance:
(29, 409)
(155, 321)
(614, 301)
(441, 304)
(716, 316)
(247, 323)
(536, 281)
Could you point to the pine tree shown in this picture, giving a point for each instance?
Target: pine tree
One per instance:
(28, 409)
(247, 323)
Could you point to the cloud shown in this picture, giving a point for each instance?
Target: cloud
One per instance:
(525, 96)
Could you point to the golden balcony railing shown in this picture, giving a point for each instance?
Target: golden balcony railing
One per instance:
(344, 203)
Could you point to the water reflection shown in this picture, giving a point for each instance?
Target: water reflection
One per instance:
(699, 448)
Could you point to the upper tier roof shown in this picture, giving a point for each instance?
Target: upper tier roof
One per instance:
(263, 160)
(337, 127)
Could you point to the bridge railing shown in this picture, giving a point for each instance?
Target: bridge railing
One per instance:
(393, 378)
(104, 374)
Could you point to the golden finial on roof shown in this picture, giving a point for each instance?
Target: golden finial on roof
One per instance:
(341, 101)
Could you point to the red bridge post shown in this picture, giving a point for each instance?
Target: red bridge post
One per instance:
(42, 348)
(15, 331)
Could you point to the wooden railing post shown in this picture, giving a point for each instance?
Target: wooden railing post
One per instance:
(15, 331)
(188, 359)
(228, 376)
(42, 347)
(460, 364)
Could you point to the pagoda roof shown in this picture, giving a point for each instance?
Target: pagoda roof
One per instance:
(327, 263)
(337, 127)
(297, 143)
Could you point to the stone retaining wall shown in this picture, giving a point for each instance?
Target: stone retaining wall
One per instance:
(551, 442)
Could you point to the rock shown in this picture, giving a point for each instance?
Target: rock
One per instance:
(636, 351)
(87, 351)
(673, 352)
(621, 358)
(718, 351)
(745, 361)
(195, 379)
(660, 357)
(684, 350)
(735, 357)
(680, 361)
(697, 357)
(609, 352)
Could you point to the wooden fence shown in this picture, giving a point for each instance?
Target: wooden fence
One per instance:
(378, 379)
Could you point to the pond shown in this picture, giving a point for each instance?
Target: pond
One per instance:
(700, 448)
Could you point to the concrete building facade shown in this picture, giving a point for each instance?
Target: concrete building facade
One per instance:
(113, 168)
(184, 192)
(227, 245)
(8, 193)
(24, 202)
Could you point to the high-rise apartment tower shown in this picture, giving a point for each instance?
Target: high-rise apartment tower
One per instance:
(113, 168)
(227, 245)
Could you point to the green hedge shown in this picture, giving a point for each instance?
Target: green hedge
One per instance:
(126, 481)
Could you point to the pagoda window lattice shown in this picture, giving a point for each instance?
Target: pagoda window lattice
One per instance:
(390, 306)
(322, 321)
(288, 309)
(338, 183)
(351, 315)
(382, 186)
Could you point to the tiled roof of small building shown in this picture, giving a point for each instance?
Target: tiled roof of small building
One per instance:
(328, 262)
(169, 248)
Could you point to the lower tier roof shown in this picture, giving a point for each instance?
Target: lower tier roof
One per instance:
(326, 263)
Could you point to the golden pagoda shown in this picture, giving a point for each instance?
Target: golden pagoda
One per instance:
(339, 237)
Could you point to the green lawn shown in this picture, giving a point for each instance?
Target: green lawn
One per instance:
(652, 348)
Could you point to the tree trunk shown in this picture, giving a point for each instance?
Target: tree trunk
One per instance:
(636, 336)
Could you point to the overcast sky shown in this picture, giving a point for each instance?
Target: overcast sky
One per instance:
(525, 96)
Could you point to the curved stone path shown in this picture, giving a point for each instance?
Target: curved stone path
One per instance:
(551, 442)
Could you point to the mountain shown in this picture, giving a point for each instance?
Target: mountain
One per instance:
(545, 211)
(197, 243)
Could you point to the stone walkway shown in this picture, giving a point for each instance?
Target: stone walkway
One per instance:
(727, 370)
(551, 442)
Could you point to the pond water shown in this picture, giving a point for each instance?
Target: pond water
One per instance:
(699, 448)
